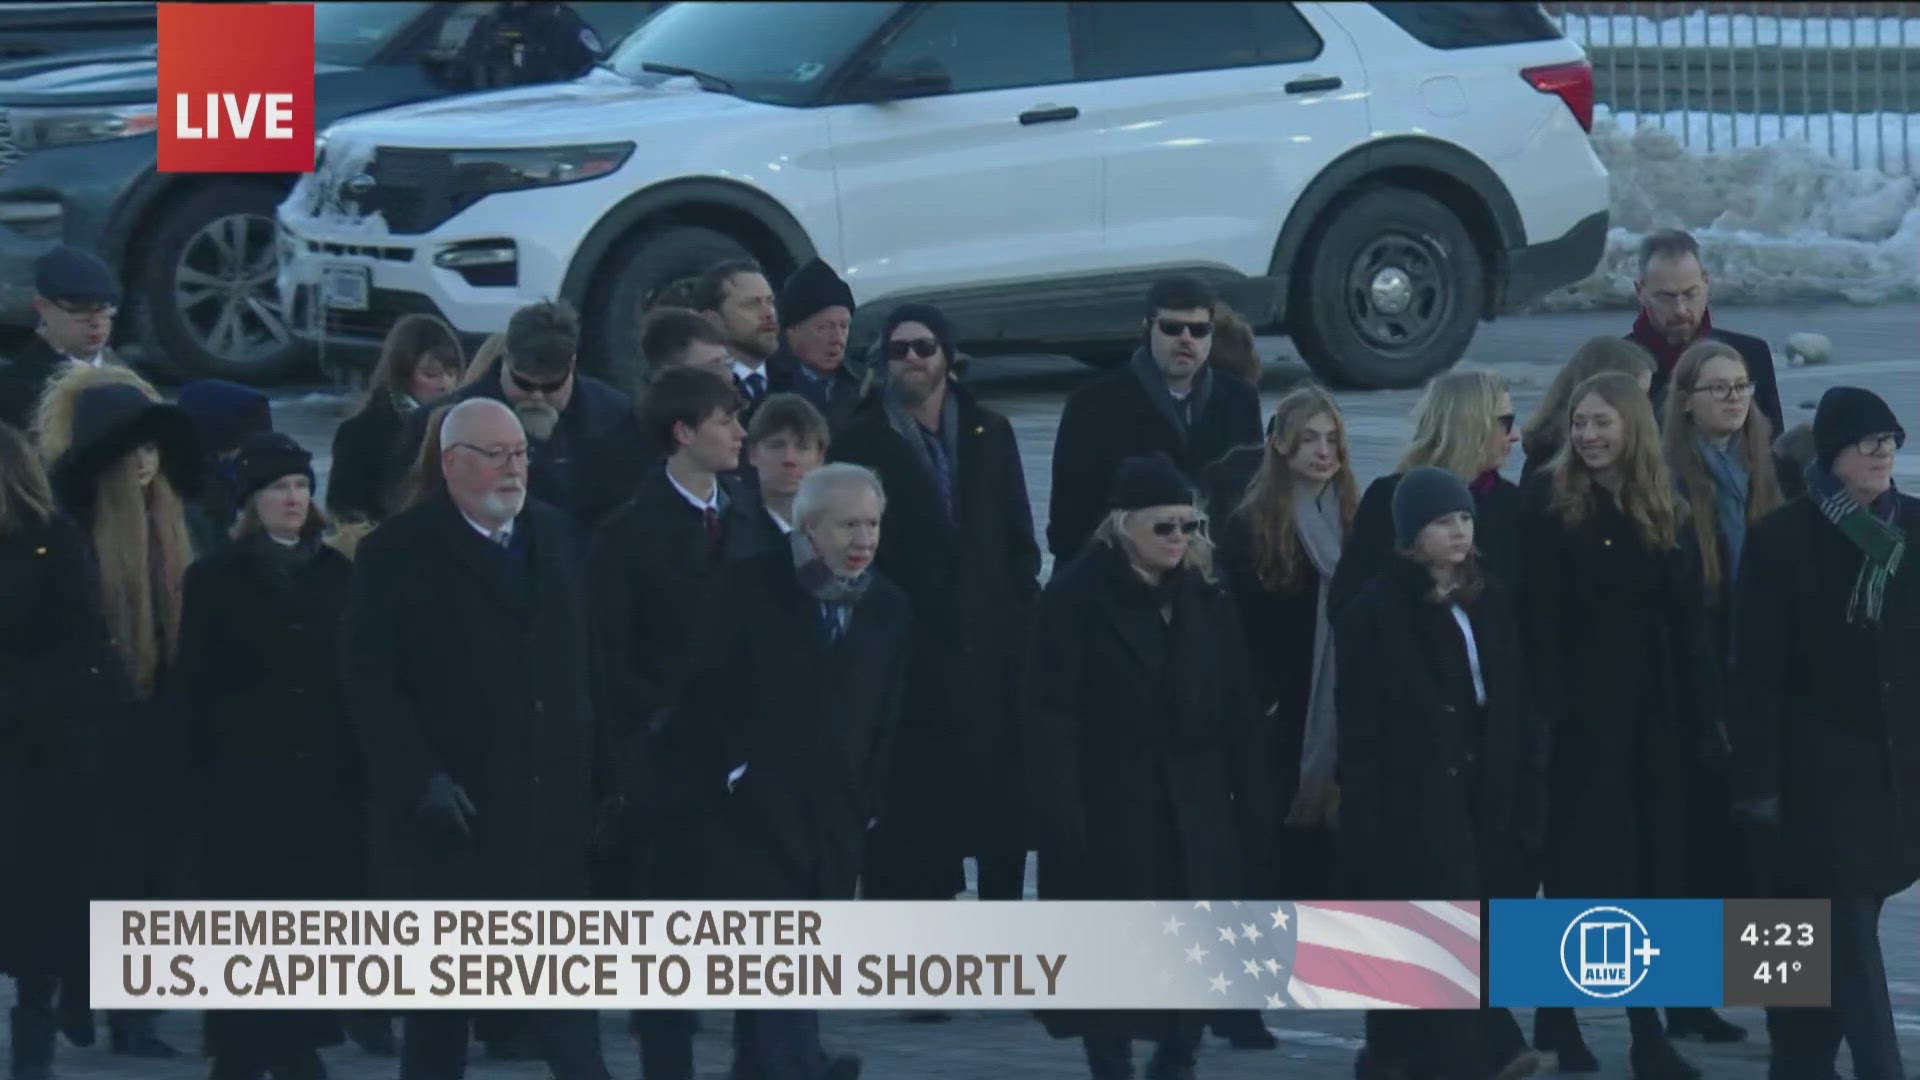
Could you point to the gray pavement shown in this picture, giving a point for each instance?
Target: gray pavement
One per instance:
(1873, 347)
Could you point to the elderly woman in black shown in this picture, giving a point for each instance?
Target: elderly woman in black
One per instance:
(1826, 755)
(271, 759)
(420, 364)
(60, 681)
(1617, 638)
(1441, 761)
(1157, 784)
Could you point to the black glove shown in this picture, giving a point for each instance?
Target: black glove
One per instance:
(1764, 811)
(445, 800)
(1713, 749)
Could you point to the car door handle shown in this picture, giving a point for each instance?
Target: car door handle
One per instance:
(1046, 114)
(1314, 84)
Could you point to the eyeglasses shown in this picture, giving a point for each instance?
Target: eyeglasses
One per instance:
(499, 455)
(924, 348)
(1874, 445)
(528, 386)
(1506, 423)
(1189, 527)
(1725, 391)
(87, 311)
(1173, 327)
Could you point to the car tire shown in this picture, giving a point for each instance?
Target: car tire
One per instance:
(637, 269)
(1390, 291)
(205, 301)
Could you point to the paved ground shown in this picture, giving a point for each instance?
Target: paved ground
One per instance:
(1873, 347)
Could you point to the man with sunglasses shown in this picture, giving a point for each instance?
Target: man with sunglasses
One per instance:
(588, 454)
(1165, 400)
(76, 296)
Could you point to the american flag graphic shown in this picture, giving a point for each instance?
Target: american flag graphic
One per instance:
(1337, 954)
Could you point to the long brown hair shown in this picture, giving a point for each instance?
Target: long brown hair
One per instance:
(413, 339)
(1546, 429)
(26, 499)
(1646, 492)
(1681, 437)
(424, 479)
(1267, 506)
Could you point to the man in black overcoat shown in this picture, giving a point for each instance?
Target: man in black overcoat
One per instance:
(1673, 288)
(651, 564)
(1164, 400)
(961, 545)
(75, 297)
(468, 679)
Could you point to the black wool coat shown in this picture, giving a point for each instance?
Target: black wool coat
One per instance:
(1370, 548)
(959, 759)
(1116, 416)
(592, 463)
(469, 659)
(1825, 714)
(366, 467)
(23, 376)
(811, 719)
(1755, 351)
(275, 769)
(651, 567)
(63, 695)
(838, 396)
(1617, 639)
(1440, 796)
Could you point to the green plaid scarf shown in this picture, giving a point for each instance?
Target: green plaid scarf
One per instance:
(1879, 540)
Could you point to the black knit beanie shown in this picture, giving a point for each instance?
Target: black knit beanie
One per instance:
(812, 289)
(1424, 496)
(265, 458)
(1846, 415)
(1141, 482)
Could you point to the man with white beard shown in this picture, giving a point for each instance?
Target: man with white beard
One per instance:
(467, 672)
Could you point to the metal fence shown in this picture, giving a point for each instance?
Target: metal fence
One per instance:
(1843, 77)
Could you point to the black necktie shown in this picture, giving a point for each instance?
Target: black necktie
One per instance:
(756, 385)
(712, 516)
(830, 617)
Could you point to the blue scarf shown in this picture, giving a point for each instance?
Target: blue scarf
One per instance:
(1733, 486)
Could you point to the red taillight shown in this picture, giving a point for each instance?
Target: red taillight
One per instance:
(1573, 82)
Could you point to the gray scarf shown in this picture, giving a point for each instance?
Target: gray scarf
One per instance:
(819, 580)
(1316, 517)
(908, 426)
(1150, 377)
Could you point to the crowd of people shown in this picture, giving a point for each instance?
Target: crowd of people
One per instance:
(769, 625)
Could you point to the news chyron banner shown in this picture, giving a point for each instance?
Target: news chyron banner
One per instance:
(236, 88)
(1659, 953)
(837, 955)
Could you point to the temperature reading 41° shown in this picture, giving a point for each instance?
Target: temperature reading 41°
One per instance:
(1779, 969)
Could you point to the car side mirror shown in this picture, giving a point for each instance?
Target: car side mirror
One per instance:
(919, 78)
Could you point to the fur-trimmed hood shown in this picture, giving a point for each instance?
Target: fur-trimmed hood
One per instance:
(1795, 445)
(89, 416)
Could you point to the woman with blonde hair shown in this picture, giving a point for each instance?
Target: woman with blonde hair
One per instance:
(1616, 636)
(1540, 439)
(1720, 449)
(123, 462)
(1463, 424)
(420, 364)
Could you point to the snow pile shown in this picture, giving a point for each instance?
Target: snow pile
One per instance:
(1781, 223)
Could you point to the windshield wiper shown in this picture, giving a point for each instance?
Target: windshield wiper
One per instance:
(706, 81)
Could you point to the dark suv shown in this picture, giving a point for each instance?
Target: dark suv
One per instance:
(77, 164)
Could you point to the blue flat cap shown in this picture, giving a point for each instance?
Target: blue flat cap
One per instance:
(77, 277)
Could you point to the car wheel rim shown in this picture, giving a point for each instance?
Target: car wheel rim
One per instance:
(1398, 294)
(224, 289)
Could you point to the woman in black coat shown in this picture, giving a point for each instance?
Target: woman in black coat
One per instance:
(1617, 634)
(1463, 424)
(420, 363)
(60, 685)
(1826, 757)
(1151, 773)
(1280, 537)
(1442, 764)
(271, 758)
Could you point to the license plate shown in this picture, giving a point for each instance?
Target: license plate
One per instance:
(345, 288)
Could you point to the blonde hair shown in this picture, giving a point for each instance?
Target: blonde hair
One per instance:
(1646, 492)
(1680, 436)
(1453, 421)
(26, 499)
(424, 479)
(1545, 430)
(483, 358)
(1112, 531)
(1267, 506)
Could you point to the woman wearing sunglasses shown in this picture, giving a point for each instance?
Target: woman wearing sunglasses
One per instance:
(1463, 424)
(1143, 711)
(1616, 634)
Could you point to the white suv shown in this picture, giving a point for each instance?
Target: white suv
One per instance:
(1369, 178)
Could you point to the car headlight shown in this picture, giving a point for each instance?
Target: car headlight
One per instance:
(483, 172)
(35, 129)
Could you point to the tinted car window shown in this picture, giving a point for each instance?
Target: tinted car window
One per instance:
(988, 46)
(774, 52)
(353, 34)
(1465, 26)
(1125, 40)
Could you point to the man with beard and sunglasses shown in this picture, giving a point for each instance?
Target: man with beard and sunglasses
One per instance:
(1165, 400)
(961, 545)
(587, 450)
